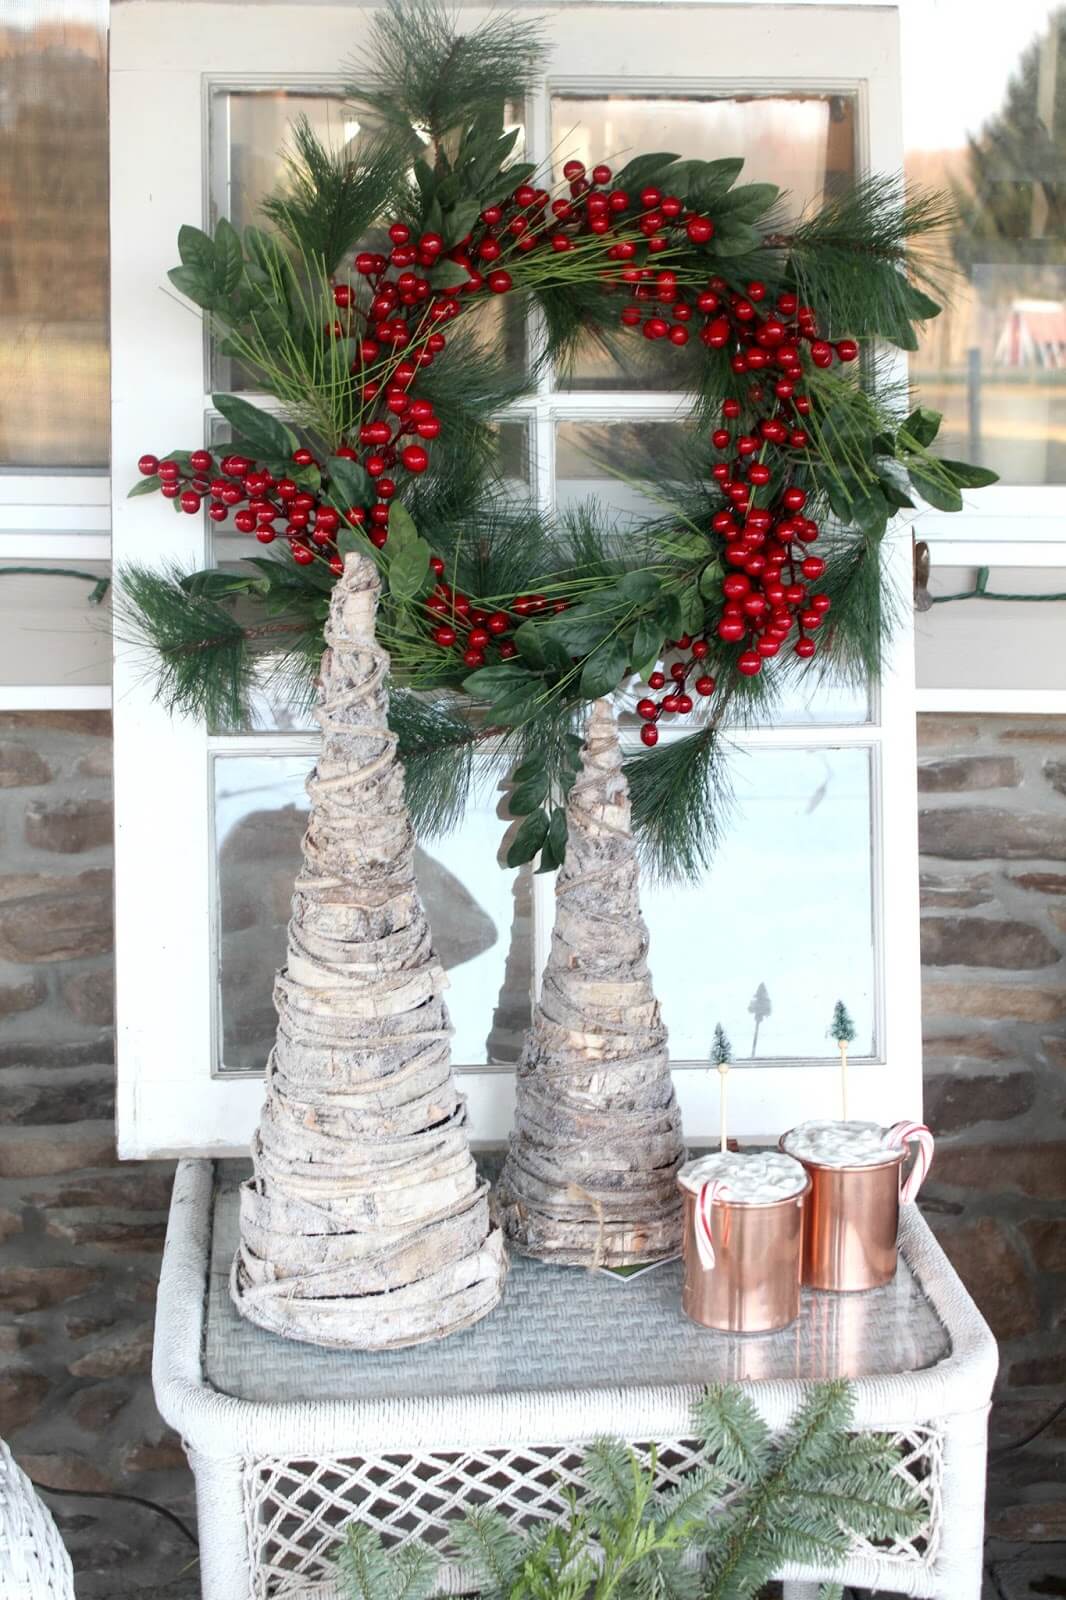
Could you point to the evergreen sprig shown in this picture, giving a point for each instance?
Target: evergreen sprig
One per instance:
(756, 1501)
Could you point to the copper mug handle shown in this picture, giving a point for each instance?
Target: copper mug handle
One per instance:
(905, 1133)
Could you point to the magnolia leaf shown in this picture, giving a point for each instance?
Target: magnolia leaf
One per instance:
(458, 223)
(408, 555)
(923, 425)
(448, 275)
(229, 257)
(489, 682)
(938, 491)
(349, 484)
(195, 284)
(195, 248)
(528, 796)
(748, 202)
(216, 585)
(144, 486)
(531, 767)
(918, 304)
(268, 435)
(640, 586)
(642, 169)
(647, 644)
(604, 668)
(530, 645)
(710, 580)
(529, 838)
(967, 476)
(709, 180)
(734, 238)
(553, 850)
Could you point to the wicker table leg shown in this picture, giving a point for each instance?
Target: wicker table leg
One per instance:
(225, 1563)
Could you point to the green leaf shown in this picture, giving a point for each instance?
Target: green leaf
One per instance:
(349, 539)
(749, 202)
(143, 486)
(707, 181)
(640, 587)
(529, 641)
(489, 682)
(647, 645)
(710, 581)
(919, 306)
(733, 238)
(691, 609)
(195, 248)
(194, 284)
(349, 483)
(529, 838)
(643, 170)
(526, 797)
(582, 628)
(531, 767)
(216, 585)
(923, 425)
(967, 476)
(229, 258)
(448, 275)
(458, 223)
(604, 668)
(268, 435)
(408, 555)
(934, 489)
(553, 850)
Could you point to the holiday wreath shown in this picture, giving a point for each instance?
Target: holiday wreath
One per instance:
(502, 621)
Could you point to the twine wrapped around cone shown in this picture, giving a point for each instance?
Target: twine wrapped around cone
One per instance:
(590, 1176)
(365, 1225)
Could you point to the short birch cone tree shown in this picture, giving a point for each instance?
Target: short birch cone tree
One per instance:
(365, 1224)
(590, 1175)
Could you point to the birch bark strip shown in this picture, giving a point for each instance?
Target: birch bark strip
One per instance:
(590, 1175)
(365, 1225)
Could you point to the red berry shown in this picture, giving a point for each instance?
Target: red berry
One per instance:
(473, 658)
(704, 685)
(342, 295)
(573, 170)
(731, 629)
(812, 566)
(794, 499)
(415, 458)
(749, 663)
(670, 702)
(245, 521)
(499, 282)
(656, 680)
(303, 458)
(684, 704)
(822, 353)
(399, 234)
(730, 408)
(148, 465)
(265, 534)
(649, 734)
(699, 229)
(847, 349)
(444, 635)
(720, 438)
(201, 461)
(805, 648)
(647, 709)
(190, 503)
(217, 512)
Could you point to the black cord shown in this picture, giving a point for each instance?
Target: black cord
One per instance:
(1028, 1438)
(99, 589)
(131, 1499)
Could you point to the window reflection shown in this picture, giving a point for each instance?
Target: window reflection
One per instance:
(994, 137)
(53, 235)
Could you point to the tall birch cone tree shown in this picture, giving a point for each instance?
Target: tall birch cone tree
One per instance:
(365, 1224)
(590, 1175)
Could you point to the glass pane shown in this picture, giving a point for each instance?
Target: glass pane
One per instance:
(994, 362)
(54, 405)
(249, 133)
(589, 456)
(747, 949)
(802, 142)
(970, 644)
(480, 915)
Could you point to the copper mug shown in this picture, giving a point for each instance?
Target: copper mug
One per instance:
(753, 1285)
(851, 1221)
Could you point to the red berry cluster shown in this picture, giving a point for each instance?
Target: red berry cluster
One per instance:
(677, 700)
(459, 626)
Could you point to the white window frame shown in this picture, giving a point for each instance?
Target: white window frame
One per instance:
(167, 1102)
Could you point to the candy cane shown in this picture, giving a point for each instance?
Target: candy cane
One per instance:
(706, 1195)
(903, 1133)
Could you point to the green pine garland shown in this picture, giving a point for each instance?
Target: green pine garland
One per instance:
(756, 1502)
(573, 605)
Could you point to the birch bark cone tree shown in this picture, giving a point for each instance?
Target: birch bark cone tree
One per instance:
(590, 1175)
(365, 1224)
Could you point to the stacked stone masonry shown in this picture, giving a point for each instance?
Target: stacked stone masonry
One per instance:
(80, 1235)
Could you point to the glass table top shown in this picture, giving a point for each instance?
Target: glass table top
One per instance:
(568, 1328)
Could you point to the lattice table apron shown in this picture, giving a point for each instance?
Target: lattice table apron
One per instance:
(289, 1442)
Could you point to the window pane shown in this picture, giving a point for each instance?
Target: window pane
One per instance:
(54, 404)
(804, 143)
(993, 136)
(969, 644)
(480, 915)
(590, 459)
(767, 958)
(249, 134)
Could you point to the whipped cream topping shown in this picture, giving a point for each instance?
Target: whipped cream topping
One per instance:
(839, 1144)
(758, 1178)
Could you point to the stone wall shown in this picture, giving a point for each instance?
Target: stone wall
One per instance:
(992, 794)
(80, 1236)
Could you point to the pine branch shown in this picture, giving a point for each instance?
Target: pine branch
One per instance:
(437, 741)
(681, 798)
(330, 202)
(490, 1549)
(196, 647)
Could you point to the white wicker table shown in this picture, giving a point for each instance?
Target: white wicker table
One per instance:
(288, 1442)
